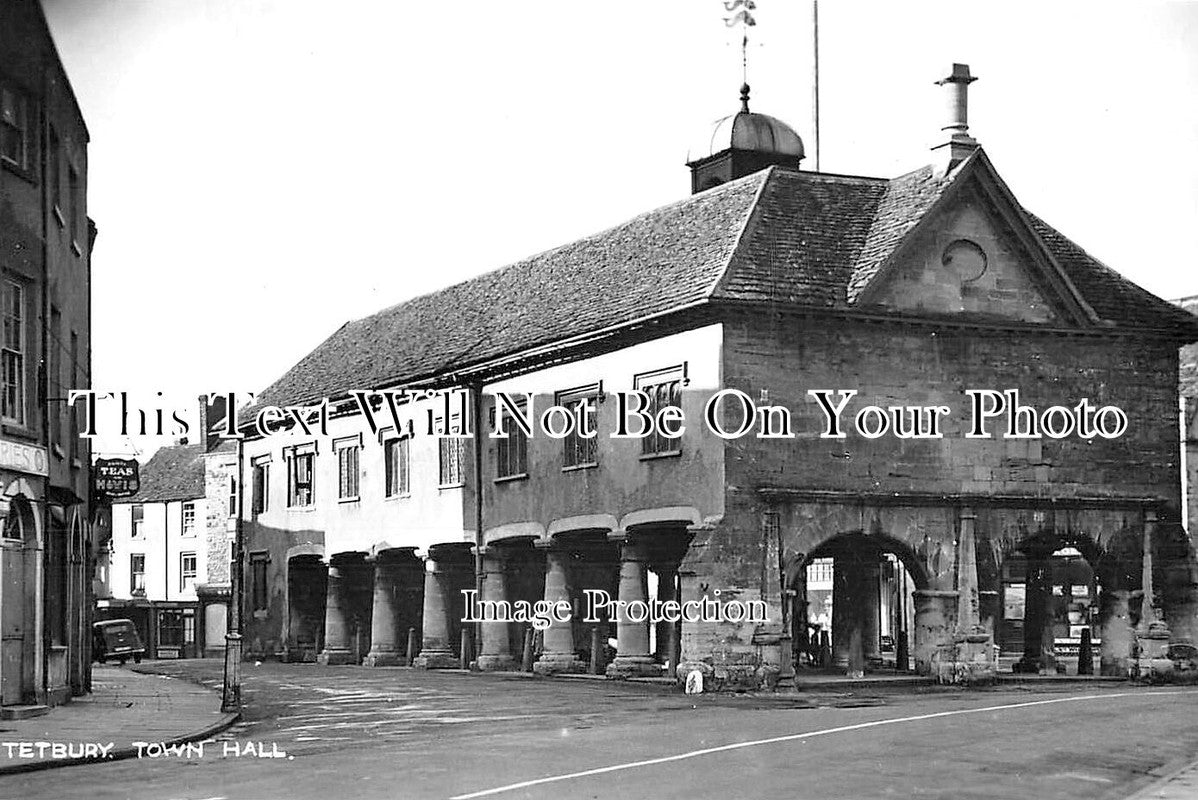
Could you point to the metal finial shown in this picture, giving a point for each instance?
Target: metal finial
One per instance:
(744, 98)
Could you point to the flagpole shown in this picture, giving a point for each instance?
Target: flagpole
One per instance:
(815, 78)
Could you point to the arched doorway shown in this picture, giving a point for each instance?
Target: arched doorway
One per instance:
(853, 604)
(18, 554)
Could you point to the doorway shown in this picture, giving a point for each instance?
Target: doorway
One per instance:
(18, 546)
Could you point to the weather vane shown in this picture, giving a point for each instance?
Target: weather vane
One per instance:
(740, 12)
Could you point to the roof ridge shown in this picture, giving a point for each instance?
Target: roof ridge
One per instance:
(836, 177)
(707, 194)
(886, 234)
(750, 215)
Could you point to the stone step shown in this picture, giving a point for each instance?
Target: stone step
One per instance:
(22, 712)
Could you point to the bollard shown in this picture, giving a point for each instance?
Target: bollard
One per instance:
(596, 652)
(825, 649)
(902, 656)
(526, 661)
(411, 656)
(465, 654)
(1085, 654)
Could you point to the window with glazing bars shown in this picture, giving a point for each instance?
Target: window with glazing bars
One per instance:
(579, 450)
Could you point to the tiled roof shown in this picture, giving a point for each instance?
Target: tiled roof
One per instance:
(906, 200)
(174, 473)
(1112, 296)
(779, 235)
(657, 262)
(804, 239)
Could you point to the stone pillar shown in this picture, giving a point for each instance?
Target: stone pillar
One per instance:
(697, 639)
(849, 598)
(337, 644)
(633, 658)
(436, 650)
(1153, 634)
(667, 578)
(1114, 620)
(1038, 655)
(973, 650)
(968, 611)
(871, 609)
(496, 652)
(931, 626)
(558, 654)
(384, 635)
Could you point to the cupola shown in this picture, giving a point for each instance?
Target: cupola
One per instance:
(741, 144)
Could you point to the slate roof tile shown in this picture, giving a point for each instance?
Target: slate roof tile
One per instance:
(653, 263)
(173, 473)
(906, 199)
(804, 239)
(780, 235)
(1112, 296)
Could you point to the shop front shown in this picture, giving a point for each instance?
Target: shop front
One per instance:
(167, 627)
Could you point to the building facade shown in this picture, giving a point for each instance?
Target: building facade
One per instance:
(895, 298)
(1189, 421)
(167, 563)
(46, 242)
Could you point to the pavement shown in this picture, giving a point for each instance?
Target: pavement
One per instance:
(312, 732)
(127, 714)
(1180, 785)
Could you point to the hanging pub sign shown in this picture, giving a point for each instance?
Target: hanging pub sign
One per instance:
(115, 477)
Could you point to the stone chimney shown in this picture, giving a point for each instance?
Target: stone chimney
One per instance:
(956, 144)
(210, 415)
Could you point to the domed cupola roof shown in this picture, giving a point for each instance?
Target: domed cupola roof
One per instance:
(740, 144)
(746, 130)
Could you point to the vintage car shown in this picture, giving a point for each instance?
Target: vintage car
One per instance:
(116, 638)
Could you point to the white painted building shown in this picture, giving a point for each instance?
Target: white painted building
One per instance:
(166, 566)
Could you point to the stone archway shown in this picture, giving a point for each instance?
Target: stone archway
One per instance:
(1058, 588)
(855, 604)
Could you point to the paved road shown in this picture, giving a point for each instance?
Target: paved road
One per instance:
(351, 732)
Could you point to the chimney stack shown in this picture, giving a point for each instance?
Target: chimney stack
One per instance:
(210, 439)
(958, 144)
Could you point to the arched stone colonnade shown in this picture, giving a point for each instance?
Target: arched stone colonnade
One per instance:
(955, 554)
(361, 607)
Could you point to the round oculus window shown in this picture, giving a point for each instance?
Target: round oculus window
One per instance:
(966, 258)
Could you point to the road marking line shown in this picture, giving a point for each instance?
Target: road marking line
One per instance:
(1081, 776)
(796, 737)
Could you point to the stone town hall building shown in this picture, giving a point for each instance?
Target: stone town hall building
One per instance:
(772, 280)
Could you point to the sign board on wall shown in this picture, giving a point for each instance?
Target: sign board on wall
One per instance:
(21, 457)
(116, 477)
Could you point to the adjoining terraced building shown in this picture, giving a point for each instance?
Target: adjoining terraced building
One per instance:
(46, 238)
(774, 281)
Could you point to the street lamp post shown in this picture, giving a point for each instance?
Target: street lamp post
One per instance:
(231, 695)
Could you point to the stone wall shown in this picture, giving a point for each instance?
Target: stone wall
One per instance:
(812, 488)
(219, 469)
